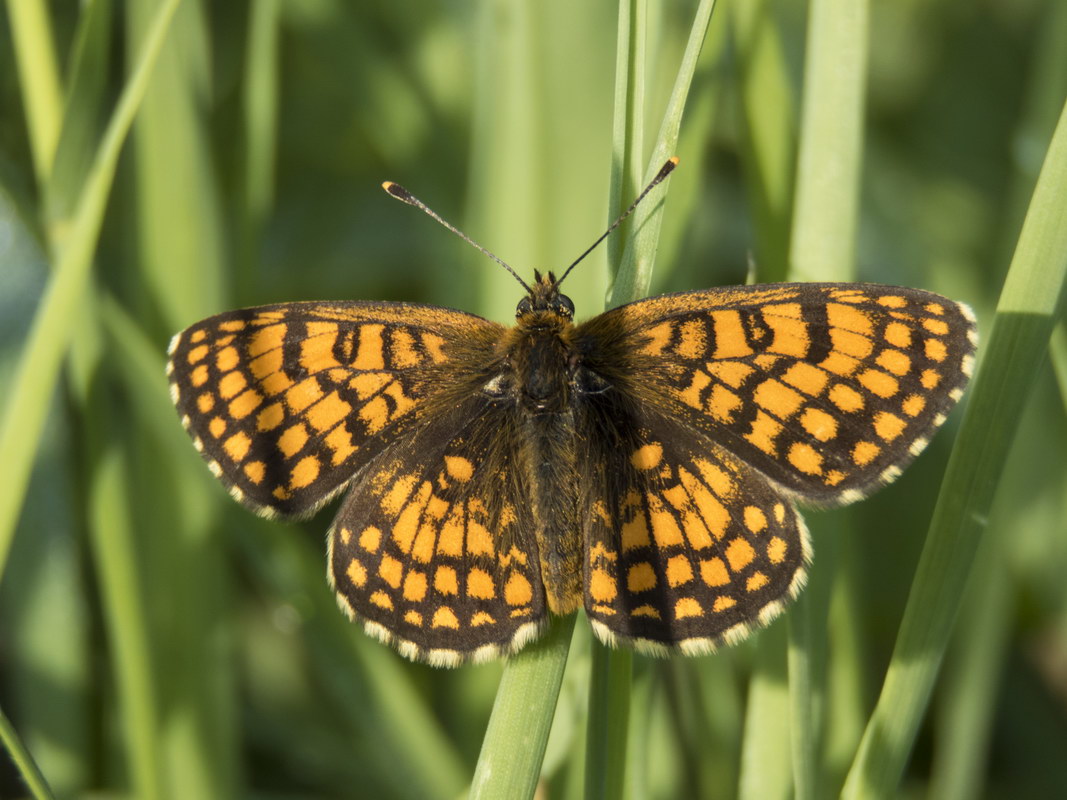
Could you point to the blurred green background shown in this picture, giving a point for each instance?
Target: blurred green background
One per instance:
(155, 634)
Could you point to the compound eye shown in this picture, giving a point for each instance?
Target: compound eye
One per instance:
(525, 306)
(564, 306)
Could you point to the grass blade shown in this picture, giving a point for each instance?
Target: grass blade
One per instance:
(1029, 306)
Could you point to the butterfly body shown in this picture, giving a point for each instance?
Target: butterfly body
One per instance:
(642, 465)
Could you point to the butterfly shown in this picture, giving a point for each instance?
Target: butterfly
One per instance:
(643, 465)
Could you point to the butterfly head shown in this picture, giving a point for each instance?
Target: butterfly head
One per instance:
(544, 298)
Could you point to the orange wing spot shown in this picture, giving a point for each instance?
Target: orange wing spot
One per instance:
(402, 402)
(369, 353)
(839, 364)
(691, 395)
(276, 383)
(356, 573)
(479, 540)
(864, 453)
(913, 405)
(805, 458)
(327, 413)
(635, 531)
(647, 456)
(480, 584)
(712, 513)
(205, 402)
(294, 438)
(316, 349)
(777, 398)
(645, 611)
(233, 325)
(834, 477)
(755, 519)
(892, 301)
(739, 554)
(340, 442)
(679, 570)
(445, 617)
(790, 333)
(716, 478)
(517, 591)
(269, 337)
(216, 427)
(846, 398)
(687, 607)
(281, 493)
(807, 378)
(729, 335)
(779, 513)
(413, 618)
(255, 471)
(382, 600)
(236, 446)
(898, 335)
(231, 384)
(423, 548)
(665, 528)
(723, 404)
(930, 378)
(305, 472)
(776, 550)
(756, 581)
(402, 350)
(303, 394)
(657, 339)
(640, 577)
(370, 539)
(602, 586)
(445, 581)
(375, 415)
(459, 468)
(198, 377)
(346, 535)
(819, 424)
(481, 618)
(226, 359)
(270, 417)
(693, 342)
(849, 318)
(245, 403)
(434, 346)
(450, 541)
(850, 343)
(879, 383)
(723, 602)
(368, 384)
(197, 354)
(888, 426)
(935, 350)
(390, 571)
(407, 522)
(732, 373)
(415, 586)
(894, 361)
(266, 364)
(936, 326)
(198, 335)
(763, 433)
(394, 500)
(713, 572)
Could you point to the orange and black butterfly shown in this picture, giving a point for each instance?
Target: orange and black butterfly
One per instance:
(642, 464)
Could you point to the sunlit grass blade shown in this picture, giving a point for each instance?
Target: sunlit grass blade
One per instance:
(27, 767)
(1030, 304)
(766, 766)
(35, 378)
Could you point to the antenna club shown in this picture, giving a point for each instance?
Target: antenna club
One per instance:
(398, 191)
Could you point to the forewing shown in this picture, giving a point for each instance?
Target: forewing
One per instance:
(827, 389)
(286, 402)
(686, 546)
(433, 548)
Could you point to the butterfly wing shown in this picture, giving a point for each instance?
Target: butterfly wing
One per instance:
(434, 547)
(713, 410)
(826, 389)
(287, 402)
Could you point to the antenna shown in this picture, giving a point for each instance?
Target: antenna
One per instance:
(402, 194)
(664, 171)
